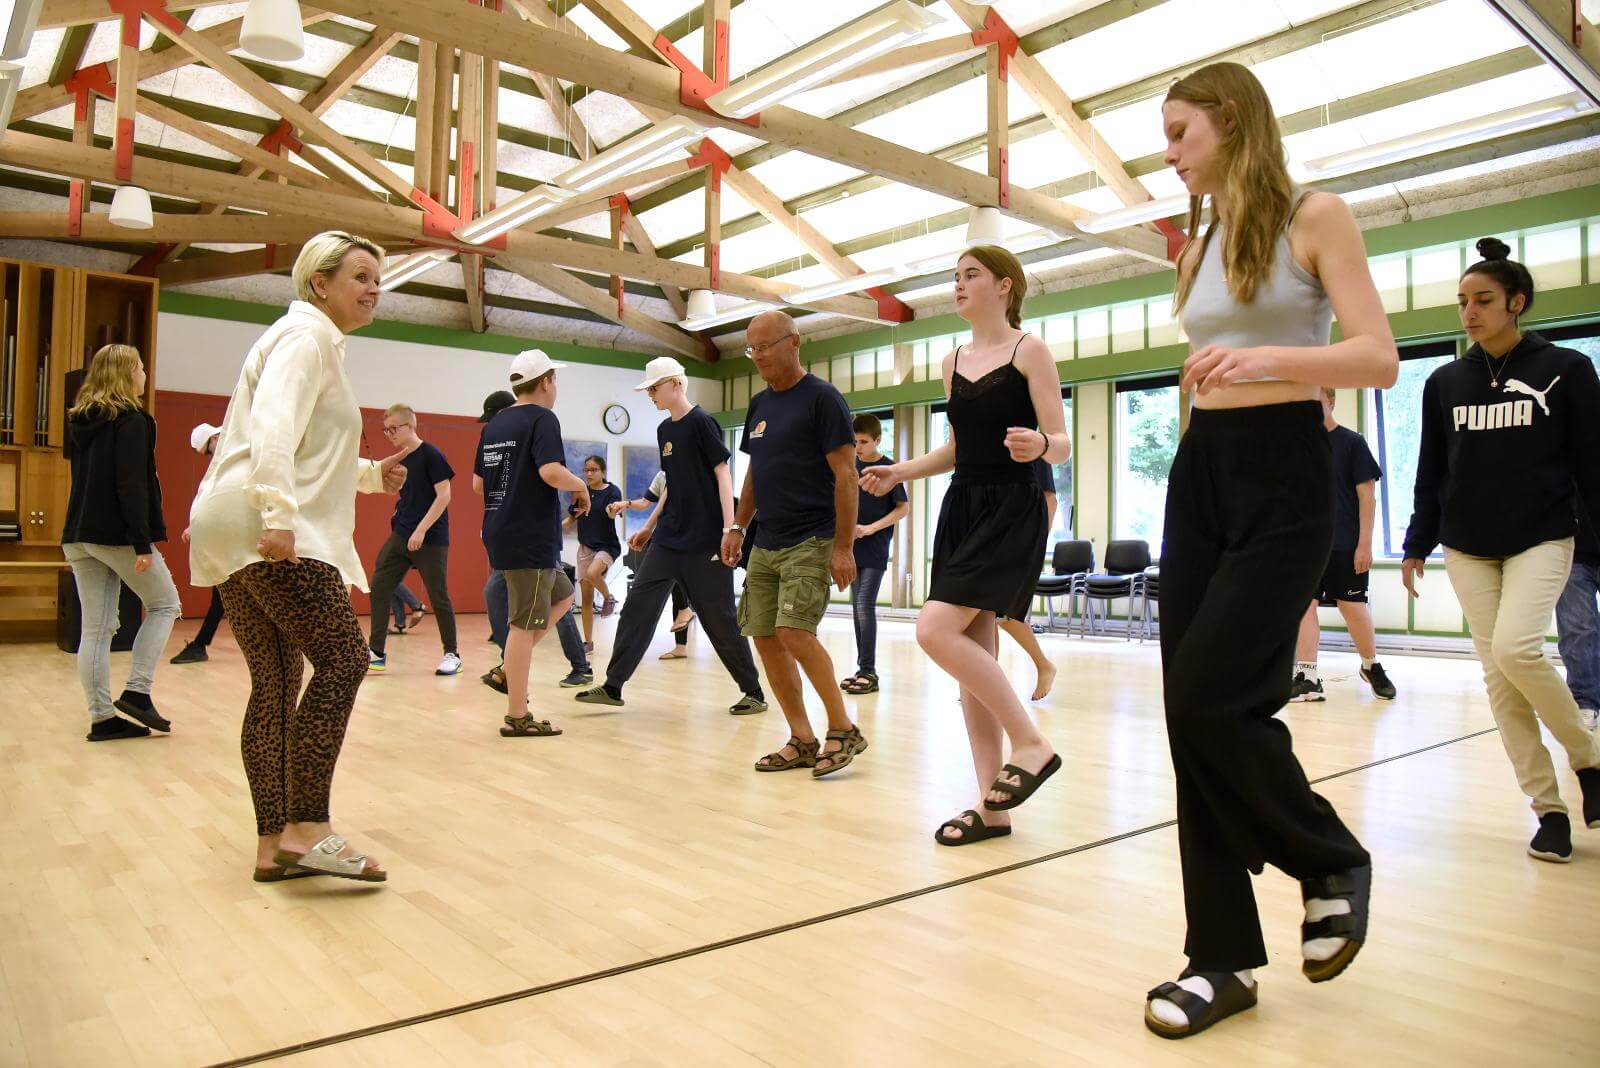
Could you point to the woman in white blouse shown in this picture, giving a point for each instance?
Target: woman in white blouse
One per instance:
(272, 527)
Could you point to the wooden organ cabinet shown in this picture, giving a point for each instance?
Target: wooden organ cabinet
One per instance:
(52, 320)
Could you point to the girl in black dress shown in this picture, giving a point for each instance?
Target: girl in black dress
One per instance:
(1005, 412)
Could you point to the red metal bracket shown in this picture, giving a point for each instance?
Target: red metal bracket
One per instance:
(122, 144)
(154, 10)
(997, 32)
(710, 154)
(76, 196)
(621, 207)
(147, 264)
(694, 86)
(464, 179)
(95, 79)
(439, 225)
(1176, 238)
(890, 308)
(281, 138)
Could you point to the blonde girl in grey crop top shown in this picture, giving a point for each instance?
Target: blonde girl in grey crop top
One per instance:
(1283, 333)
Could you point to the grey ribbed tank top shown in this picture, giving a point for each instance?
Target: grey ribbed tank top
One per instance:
(1290, 307)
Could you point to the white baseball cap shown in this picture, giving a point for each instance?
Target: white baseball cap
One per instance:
(660, 368)
(202, 434)
(531, 364)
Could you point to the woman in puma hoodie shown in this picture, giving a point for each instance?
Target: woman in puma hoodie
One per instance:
(113, 521)
(1510, 440)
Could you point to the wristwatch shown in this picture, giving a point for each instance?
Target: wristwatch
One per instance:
(734, 529)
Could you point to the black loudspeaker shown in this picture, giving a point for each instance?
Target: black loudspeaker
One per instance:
(69, 616)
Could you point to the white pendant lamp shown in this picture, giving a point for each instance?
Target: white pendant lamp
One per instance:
(272, 31)
(983, 226)
(130, 208)
(702, 304)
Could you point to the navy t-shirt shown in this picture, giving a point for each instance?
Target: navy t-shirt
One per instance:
(425, 466)
(1352, 465)
(788, 436)
(521, 511)
(597, 530)
(872, 551)
(691, 449)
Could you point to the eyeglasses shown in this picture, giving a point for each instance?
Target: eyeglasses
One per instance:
(755, 350)
(391, 431)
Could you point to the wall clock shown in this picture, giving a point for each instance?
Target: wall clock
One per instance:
(616, 418)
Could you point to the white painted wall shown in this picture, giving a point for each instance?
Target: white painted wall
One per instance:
(199, 355)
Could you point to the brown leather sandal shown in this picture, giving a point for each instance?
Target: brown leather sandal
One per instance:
(851, 743)
(806, 756)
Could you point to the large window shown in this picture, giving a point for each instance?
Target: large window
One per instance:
(1146, 439)
(1399, 413)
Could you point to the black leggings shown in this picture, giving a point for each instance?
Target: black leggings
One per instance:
(1249, 522)
(284, 614)
(208, 626)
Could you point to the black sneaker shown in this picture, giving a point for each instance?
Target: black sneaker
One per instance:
(191, 654)
(1305, 689)
(137, 706)
(577, 678)
(1553, 842)
(599, 695)
(114, 729)
(1589, 779)
(1379, 681)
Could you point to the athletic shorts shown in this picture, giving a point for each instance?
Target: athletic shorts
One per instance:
(785, 588)
(531, 592)
(1340, 581)
(586, 556)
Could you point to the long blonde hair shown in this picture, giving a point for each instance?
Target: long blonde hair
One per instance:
(1255, 178)
(108, 388)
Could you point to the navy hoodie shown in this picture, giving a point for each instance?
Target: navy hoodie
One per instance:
(1502, 469)
(116, 497)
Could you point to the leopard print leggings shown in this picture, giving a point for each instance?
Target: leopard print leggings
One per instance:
(284, 614)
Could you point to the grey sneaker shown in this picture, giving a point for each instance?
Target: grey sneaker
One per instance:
(577, 678)
(599, 696)
(747, 705)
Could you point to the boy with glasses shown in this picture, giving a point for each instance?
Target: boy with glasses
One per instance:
(419, 537)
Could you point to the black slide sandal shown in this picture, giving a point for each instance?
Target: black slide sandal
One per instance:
(976, 831)
(1228, 996)
(1027, 781)
(1354, 886)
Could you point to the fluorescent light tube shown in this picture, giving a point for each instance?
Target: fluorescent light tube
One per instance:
(17, 20)
(849, 46)
(397, 272)
(840, 286)
(512, 214)
(1465, 132)
(1135, 214)
(643, 149)
(745, 309)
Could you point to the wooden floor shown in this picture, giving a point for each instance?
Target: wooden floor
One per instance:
(632, 893)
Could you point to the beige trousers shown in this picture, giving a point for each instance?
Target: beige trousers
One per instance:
(1508, 602)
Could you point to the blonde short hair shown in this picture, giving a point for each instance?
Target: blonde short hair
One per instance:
(401, 409)
(323, 254)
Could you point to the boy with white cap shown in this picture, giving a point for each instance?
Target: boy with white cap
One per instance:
(521, 466)
(684, 535)
(203, 440)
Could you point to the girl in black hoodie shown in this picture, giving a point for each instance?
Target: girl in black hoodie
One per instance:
(1510, 439)
(113, 521)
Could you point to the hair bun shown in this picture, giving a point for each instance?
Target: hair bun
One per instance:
(1492, 248)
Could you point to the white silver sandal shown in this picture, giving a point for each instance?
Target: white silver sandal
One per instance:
(324, 858)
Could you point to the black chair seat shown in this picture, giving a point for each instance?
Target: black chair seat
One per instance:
(1053, 585)
(1105, 584)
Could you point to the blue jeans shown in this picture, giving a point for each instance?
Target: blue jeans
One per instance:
(864, 606)
(404, 599)
(1578, 633)
(100, 571)
(498, 604)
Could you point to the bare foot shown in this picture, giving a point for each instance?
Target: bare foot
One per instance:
(675, 653)
(1031, 759)
(990, 819)
(1047, 679)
